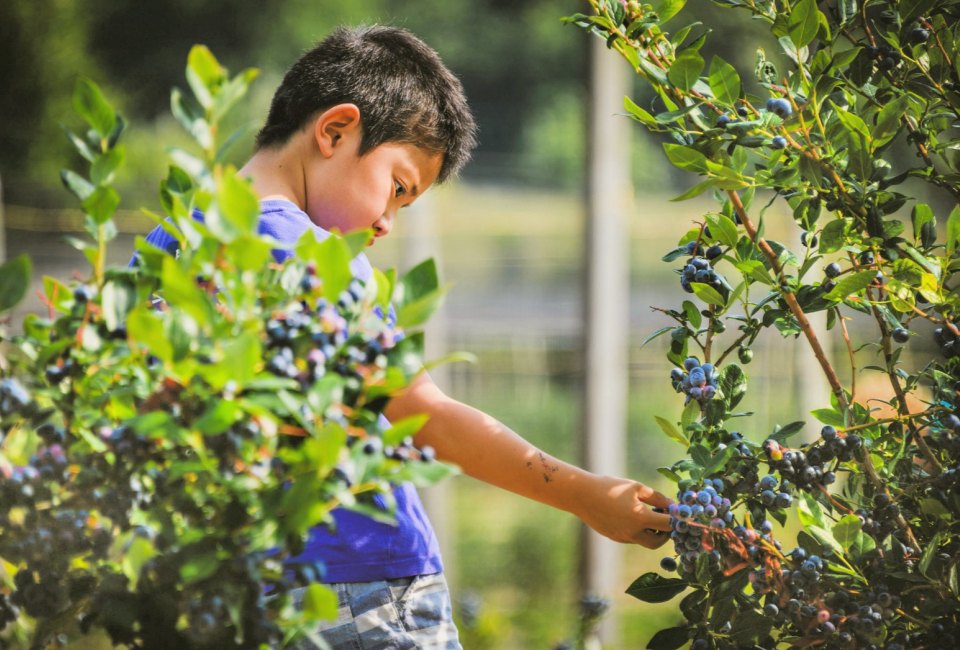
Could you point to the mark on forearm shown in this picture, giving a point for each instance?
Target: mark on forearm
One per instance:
(546, 467)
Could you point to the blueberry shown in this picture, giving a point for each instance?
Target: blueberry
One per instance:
(724, 120)
(770, 609)
(778, 142)
(866, 258)
(691, 362)
(668, 564)
(779, 106)
(742, 111)
(714, 252)
(768, 482)
(919, 35)
(900, 335)
(808, 239)
(828, 432)
(783, 500)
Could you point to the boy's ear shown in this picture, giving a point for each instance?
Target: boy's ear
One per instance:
(333, 124)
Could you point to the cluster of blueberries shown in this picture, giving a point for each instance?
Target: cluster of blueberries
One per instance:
(317, 332)
(692, 517)
(698, 381)
(699, 269)
(948, 341)
(779, 106)
(807, 469)
(14, 398)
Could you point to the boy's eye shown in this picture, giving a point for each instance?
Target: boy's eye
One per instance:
(398, 189)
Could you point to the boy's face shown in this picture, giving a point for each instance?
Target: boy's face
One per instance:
(350, 192)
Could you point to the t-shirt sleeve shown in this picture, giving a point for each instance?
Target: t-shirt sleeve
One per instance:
(161, 239)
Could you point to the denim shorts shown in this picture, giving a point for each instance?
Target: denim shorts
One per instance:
(390, 615)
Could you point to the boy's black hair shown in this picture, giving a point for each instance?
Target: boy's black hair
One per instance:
(403, 90)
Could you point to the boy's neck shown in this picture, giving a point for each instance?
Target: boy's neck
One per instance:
(277, 173)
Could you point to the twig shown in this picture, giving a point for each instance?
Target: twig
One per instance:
(791, 301)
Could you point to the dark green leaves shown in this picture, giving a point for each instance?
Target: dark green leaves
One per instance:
(724, 81)
(92, 106)
(654, 588)
(803, 22)
(686, 69)
(14, 281)
(418, 294)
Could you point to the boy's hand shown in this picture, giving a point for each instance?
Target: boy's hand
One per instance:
(623, 510)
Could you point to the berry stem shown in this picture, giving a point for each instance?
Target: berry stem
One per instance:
(791, 301)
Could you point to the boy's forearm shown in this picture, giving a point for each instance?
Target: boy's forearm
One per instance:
(488, 450)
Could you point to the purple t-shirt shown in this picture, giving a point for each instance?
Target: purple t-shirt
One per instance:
(357, 549)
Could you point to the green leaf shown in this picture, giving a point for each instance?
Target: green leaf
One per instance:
(320, 602)
(686, 69)
(236, 210)
(829, 416)
(136, 552)
(418, 294)
(851, 284)
(684, 157)
(920, 215)
(930, 552)
(77, 184)
(696, 190)
(670, 638)
(667, 9)
(831, 238)
(825, 538)
(332, 257)
(401, 429)
(180, 290)
(809, 512)
(723, 229)
(118, 297)
(671, 430)
(231, 92)
(105, 166)
(101, 204)
(847, 530)
(640, 114)
(218, 417)
(889, 120)
(654, 588)
(92, 106)
(204, 74)
(953, 230)
(708, 294)
(724, 81)
(14, 281)
(803, 22)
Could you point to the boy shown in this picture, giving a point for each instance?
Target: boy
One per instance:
(360, 127)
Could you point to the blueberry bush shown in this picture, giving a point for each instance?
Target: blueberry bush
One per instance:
(847, 139)
(170, 430)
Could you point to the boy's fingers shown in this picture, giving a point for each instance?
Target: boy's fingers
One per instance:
(658, 522)
(652, 540)
(650, 496)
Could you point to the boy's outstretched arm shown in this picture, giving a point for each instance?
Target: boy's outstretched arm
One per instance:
(490, 451)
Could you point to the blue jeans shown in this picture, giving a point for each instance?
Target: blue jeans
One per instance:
(412, 613)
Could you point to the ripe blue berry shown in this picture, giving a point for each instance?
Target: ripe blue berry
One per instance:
(778, 142)
(779, 106)
(832, 270)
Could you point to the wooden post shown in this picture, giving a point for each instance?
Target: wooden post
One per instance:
(422, 243)
(606, 306)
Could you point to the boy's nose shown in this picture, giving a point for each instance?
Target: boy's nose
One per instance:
(383, 225)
